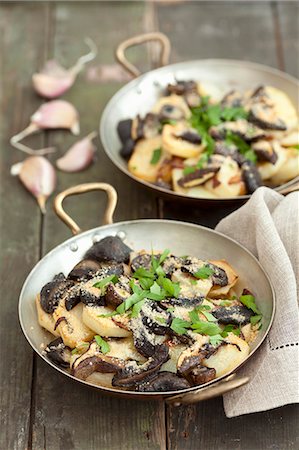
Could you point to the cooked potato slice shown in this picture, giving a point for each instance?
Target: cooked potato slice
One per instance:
(177, 146)
(101, 379)
(174, 353)
(70, 325)
(283, 106)
(197, 191)
(211, 90)
(124, 349)
(104, 326)
(173, 100)
(289, 169)
(229, 179)
(232, 277)
(44, 319)
(140, 162)
(228, 356)
(290, 139)
(266, 169)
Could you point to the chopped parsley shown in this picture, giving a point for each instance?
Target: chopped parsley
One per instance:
(102, 283)
(156, 156)
(216, 339)
(255, 319)
(180, 326)
(245, 149)
(104, 346)
(204, 272)
(249, 301)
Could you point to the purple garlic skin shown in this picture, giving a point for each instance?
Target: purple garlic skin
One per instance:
(38, 176)
(79, 156)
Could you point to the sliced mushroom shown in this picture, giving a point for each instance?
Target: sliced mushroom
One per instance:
(162, 382)
(172, 107)
(227, 150)
(124, 128)
(53, 291)
(241, 127)
(141, 260)
(198, 177)
(235, 315)
(188, 89)
(265, 117)
(264, 151)
(173, 141)
(118, 292)
(232, 278)
(145, 341)
(84, 270)
(251, 177)
(154, 318)
(190, 363)
(133, 373)
(127, 148)
(95, 361)
(111, 248)
(59, 353)
(219, 276)
(91, 295)
(232, 99)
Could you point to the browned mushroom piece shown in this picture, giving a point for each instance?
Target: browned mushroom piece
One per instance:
(133, 373)
(232, 99)
(84, 270)
(118, 292)
(58, 353)
(124, 130)
(111, 248)
(264, 151)
(219, 276)
(53, 291)
(162, 382)
(265, 117)
(141, 260)
(95, 361)
(221, 148)
(241, 127)
(198, 177)
(188, 89)
(251, 177)
(235, 315)
(154, 318)
(190, 367)
(189, 135)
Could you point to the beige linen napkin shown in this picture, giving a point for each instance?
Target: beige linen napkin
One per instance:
(268, 226)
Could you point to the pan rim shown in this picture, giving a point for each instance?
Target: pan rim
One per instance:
(135, 82)
(143, 395)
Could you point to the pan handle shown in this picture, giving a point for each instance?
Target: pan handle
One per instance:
(220, 388)
(80, 189)
(291, 188)
(141, 39)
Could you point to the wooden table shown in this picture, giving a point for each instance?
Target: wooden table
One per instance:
(40, 409)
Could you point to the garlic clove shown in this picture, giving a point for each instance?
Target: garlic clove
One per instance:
(57, 114)
(38, 175)
(53, 80)
(79, 156)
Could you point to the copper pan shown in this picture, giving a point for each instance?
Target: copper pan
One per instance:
(145, 234)
(140, 94)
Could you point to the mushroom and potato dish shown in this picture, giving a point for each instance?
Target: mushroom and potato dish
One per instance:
(201, 143)
(147, 321)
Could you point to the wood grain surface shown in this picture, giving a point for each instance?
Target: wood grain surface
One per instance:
(39, 408)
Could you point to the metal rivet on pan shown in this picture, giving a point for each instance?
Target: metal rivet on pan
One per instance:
(96, 238)
(121, 235)
(156, 83)
(74, 247)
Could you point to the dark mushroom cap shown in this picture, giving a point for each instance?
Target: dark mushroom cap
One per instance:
(251, 177)
(124, 128)
(142, 260)
(53, 291)
(132, 373)
(198, 177)
(163, 382)
(111, 248)
(189, 136)
(84, 270)
(58, 353)
(235, 315)
(118, 292)
(154, 318)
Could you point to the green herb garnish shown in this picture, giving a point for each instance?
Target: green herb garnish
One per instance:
(209, 328)
(255, 319)
(245, 149)
(102, 283)
(180, 326)
(216, 339)
(104, 346)
(204, 272)
(156, 156)
(249, 301)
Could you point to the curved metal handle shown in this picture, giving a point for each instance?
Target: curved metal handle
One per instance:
(291, 188)
(220, 388)
(141, 39)
(80, 189)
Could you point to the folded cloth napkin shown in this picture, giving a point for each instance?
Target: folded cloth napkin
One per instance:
(268, 226)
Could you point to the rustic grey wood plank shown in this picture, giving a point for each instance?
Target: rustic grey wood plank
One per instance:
(239, 30)
(67, 415)
(287, 14)
(22, 49)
